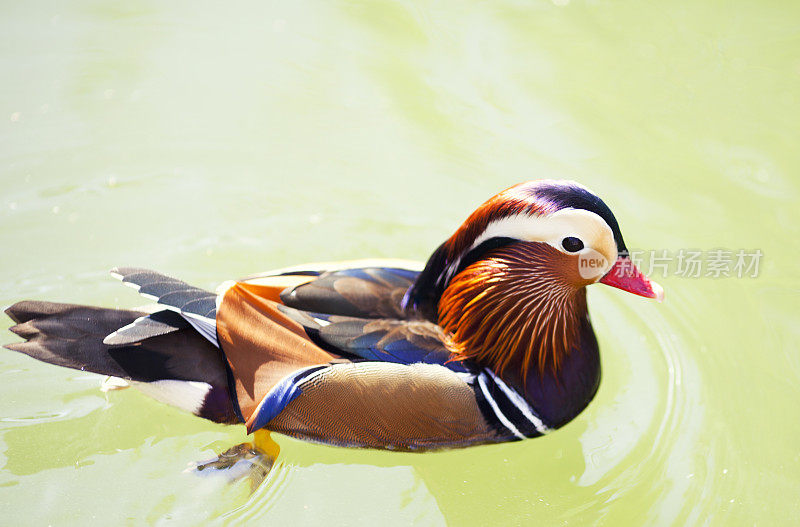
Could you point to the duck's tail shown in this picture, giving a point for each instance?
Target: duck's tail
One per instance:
(160, 353)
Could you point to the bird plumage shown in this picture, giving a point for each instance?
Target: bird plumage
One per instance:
(490, 341)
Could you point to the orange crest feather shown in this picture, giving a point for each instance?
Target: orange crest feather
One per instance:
(520, 305)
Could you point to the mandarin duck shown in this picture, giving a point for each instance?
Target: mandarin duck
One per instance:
(490, 341)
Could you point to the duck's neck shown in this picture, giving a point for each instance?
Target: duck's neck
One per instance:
(559, 397)
(519, 312)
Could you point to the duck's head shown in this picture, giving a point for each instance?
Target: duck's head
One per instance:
(509, 285)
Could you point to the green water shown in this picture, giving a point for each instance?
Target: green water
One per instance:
(211, 140)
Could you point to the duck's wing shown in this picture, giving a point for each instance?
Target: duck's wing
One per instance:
(196, 306)
(377, 339)
(355, 312)
(318, 268)
(366, 291)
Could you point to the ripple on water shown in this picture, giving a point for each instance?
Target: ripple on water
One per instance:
(265, 496)
(645, 426)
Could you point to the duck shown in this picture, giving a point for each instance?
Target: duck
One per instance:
(489, 341)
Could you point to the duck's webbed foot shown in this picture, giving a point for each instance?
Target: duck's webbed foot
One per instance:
(245, 460)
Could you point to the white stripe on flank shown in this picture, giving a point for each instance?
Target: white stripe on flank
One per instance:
(465, 376)
(521, 404)
(321, 322)
(503, 419)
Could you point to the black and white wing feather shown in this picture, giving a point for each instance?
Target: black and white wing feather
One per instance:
(147, 326)
(197, 306)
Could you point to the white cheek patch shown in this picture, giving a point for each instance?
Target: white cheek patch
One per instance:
(600, 249)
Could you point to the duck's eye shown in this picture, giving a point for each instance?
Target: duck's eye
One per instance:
(572, 244)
